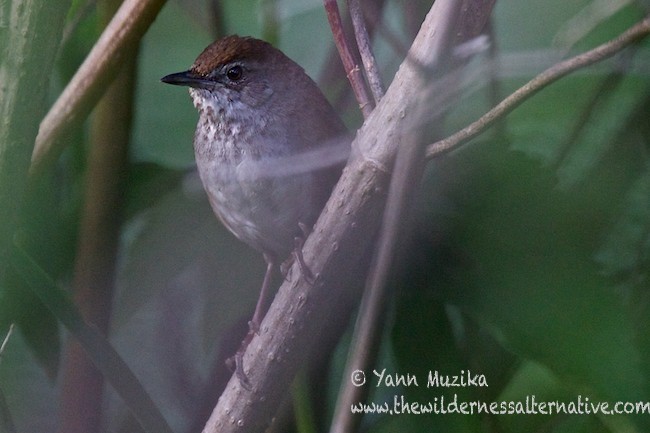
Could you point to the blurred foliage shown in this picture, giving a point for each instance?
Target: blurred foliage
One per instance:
(527, 261)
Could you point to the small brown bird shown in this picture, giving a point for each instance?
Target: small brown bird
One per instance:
(267, 146)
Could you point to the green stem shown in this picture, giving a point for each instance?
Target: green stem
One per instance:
(96, 255)
(30, 31)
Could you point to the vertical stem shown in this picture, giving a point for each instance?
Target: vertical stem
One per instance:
(94, 272)
(365, 50)
(352, 70)
(30, 31)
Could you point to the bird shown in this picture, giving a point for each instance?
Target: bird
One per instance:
(269, 148)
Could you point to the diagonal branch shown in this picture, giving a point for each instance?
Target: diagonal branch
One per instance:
(549, 76)
(334, 251)
(93, 77)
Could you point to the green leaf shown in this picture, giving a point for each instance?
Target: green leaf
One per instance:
(29, 38)
(529, 277)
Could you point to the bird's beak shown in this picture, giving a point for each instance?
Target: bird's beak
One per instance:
(188, 78)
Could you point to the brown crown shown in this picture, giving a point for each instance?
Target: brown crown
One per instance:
(230, 49)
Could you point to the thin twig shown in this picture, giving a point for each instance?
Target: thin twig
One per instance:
(365, 50)
(93, 77)
(550, 75)
(352, 70)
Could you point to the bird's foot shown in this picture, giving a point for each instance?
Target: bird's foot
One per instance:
(236, 362)
(296, 256)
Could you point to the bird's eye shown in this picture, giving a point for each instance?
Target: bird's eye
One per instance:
(235, 73)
